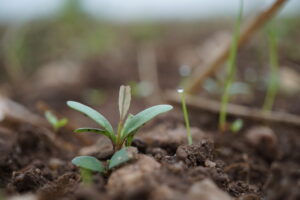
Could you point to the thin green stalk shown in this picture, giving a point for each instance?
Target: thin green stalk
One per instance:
(186, 116)
(273, 78)
(230, 70)
(86, 176)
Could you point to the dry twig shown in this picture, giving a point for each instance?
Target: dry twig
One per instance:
(200, 103)
(247, 32)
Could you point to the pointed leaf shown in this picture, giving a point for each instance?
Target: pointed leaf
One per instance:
(89, 163)
(51, 118)
(122, 156)
(126, 122)
(93, 114)
(96, 130)
(141, 118)
(124, 101)
(62, 122)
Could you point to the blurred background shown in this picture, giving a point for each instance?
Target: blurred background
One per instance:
(55, 50)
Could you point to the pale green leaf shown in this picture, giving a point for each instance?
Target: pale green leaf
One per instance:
(133, 123)
(61, 123)
(237, 125)
(89, 163)
(96, 130)
(51, 118)
(93, 114)
(124, 101)
(120, 157)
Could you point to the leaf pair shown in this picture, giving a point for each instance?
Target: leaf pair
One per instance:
(56, 123)
(93, 164)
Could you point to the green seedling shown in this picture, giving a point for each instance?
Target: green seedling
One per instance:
(186, 116)
(237, 125)
(128, 124)
(272, 86)
(89, 164)
(56, 123)
(230, 70)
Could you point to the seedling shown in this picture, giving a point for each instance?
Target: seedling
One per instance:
(230, 70)
(272, 86)
(128, 124)
(186, 116)
(89, 164)
(56, 123)
(237, 125)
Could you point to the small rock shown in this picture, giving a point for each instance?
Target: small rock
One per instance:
(264, 140)
(207, 190)
(164, 192)
(127, 178)
(23, 197)
(209, 163)
(55, 163)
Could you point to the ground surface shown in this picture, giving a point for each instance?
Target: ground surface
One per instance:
(262, 161)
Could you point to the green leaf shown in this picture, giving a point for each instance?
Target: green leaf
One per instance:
(124, 101)
(93, 114)
(96, 130)
(61, 123)
(89, 163)
(237, 125)
(51, 118)
(120, 157)
(133, 123)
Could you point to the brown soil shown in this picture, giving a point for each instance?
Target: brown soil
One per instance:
(262, 161)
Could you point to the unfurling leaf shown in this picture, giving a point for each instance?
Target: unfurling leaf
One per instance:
(89, 163)
(136, 121)
(93, 114)
(124, 101)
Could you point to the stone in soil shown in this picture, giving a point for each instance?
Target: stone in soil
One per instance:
(206, 190)
(134, 179)
(264, 140)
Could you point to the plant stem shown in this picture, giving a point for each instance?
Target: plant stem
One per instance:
(118, 140)
(86, 176)
(273, 77)
(186, 117)
(230, 70)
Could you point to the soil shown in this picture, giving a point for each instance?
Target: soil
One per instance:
(262, 161)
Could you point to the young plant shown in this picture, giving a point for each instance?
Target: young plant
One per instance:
(237, 125)
(89, 164)
(56, 123)
(230, 70)
(128, 125)
(186, 116)
(272, 86)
